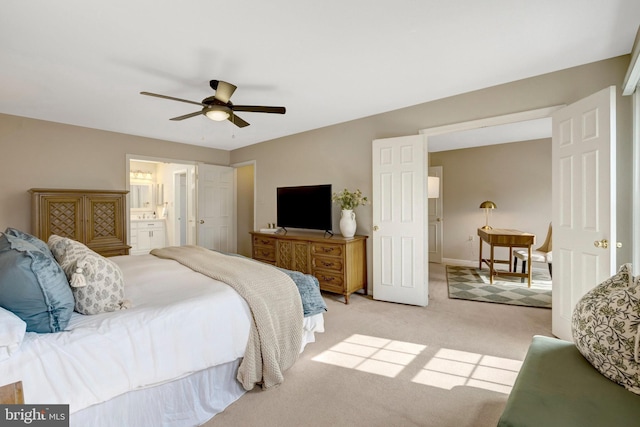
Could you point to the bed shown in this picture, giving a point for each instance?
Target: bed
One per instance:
(173, 358)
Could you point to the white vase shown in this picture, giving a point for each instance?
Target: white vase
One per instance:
(347, 223)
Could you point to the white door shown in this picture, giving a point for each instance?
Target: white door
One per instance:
(435, 219)
(216, 222)
(180, 207)
(583, 197)
(400, 258)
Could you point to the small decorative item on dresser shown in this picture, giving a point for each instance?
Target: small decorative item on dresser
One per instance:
(348, 202)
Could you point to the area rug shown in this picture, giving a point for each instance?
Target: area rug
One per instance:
(473, 284)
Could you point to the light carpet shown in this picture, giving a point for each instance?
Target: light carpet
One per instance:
(475, 343)
(473, 284)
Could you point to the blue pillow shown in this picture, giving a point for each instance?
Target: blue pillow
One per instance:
(42, 246)
(33, 286)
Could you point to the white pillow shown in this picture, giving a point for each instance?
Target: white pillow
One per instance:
(12, 330)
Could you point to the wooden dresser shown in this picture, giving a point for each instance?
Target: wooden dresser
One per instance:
(94, 218)
(339, 264)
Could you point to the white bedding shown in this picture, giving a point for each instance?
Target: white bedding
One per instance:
(181, 322)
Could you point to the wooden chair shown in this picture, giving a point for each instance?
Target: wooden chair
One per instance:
(541, 254)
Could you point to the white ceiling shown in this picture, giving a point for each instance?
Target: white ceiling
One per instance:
(84, 62)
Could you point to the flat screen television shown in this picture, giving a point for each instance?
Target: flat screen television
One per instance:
(307, 207)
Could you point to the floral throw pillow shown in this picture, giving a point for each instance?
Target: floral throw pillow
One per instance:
(605, 328)
(96, 282)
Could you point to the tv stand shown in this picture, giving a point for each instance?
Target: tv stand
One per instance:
(339, 263)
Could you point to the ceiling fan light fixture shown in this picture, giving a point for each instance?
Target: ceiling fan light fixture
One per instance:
(218, 113)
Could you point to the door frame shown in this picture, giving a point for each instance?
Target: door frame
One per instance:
(134, 157)
(631, 87)
(522, 116)
(540, 113)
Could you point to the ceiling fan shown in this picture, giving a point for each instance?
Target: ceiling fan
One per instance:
(219, 107)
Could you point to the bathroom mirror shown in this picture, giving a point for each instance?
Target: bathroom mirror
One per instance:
(141, 196)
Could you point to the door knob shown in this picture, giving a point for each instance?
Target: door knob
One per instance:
(202, 221)
(375, 228)
(604, 244)
(438, 220)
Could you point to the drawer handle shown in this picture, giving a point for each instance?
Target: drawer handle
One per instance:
(328, 279)
(264, 242)
(264, 253)
(327, 264)
(327, 250)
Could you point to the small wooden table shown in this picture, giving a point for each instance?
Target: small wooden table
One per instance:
(509, 239)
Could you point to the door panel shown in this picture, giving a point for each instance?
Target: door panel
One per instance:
(583, 194)
(216, 214)
(400, 258)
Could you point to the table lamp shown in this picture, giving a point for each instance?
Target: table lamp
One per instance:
(433, 187)
(486, 205)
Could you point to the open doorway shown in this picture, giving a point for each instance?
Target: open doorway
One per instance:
(504, 159)
(161, 203)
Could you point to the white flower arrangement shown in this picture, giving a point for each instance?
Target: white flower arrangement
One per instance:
(349, 200)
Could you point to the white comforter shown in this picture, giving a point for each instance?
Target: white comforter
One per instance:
(181, 322)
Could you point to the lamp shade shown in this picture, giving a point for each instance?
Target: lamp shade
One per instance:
(433, 187)
(218, 113)
(487, 205)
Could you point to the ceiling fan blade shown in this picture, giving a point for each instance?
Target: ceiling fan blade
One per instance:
(172, 98)
(223, 90)
(259, 109)
(186, 116)
(237, 121)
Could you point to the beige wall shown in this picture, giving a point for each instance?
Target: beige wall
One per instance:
(515, 176)
(43, 154)
(341, 154)
(244, 207)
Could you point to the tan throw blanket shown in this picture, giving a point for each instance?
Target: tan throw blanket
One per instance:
(276, 330)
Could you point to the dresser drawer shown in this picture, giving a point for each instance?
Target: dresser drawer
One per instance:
(265, 253)
(264, 241)
(327, 263)
(330, 282)
(327, 249)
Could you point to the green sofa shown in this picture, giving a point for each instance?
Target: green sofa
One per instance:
(557, 386)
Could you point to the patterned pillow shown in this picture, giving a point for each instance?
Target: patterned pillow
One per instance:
(96, 282)
(605, 328)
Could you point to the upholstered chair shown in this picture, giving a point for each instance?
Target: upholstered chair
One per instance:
(541, 254)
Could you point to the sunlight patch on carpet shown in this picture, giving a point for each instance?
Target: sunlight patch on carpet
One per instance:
(371, 354)
(454, 368)
(447, 369)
